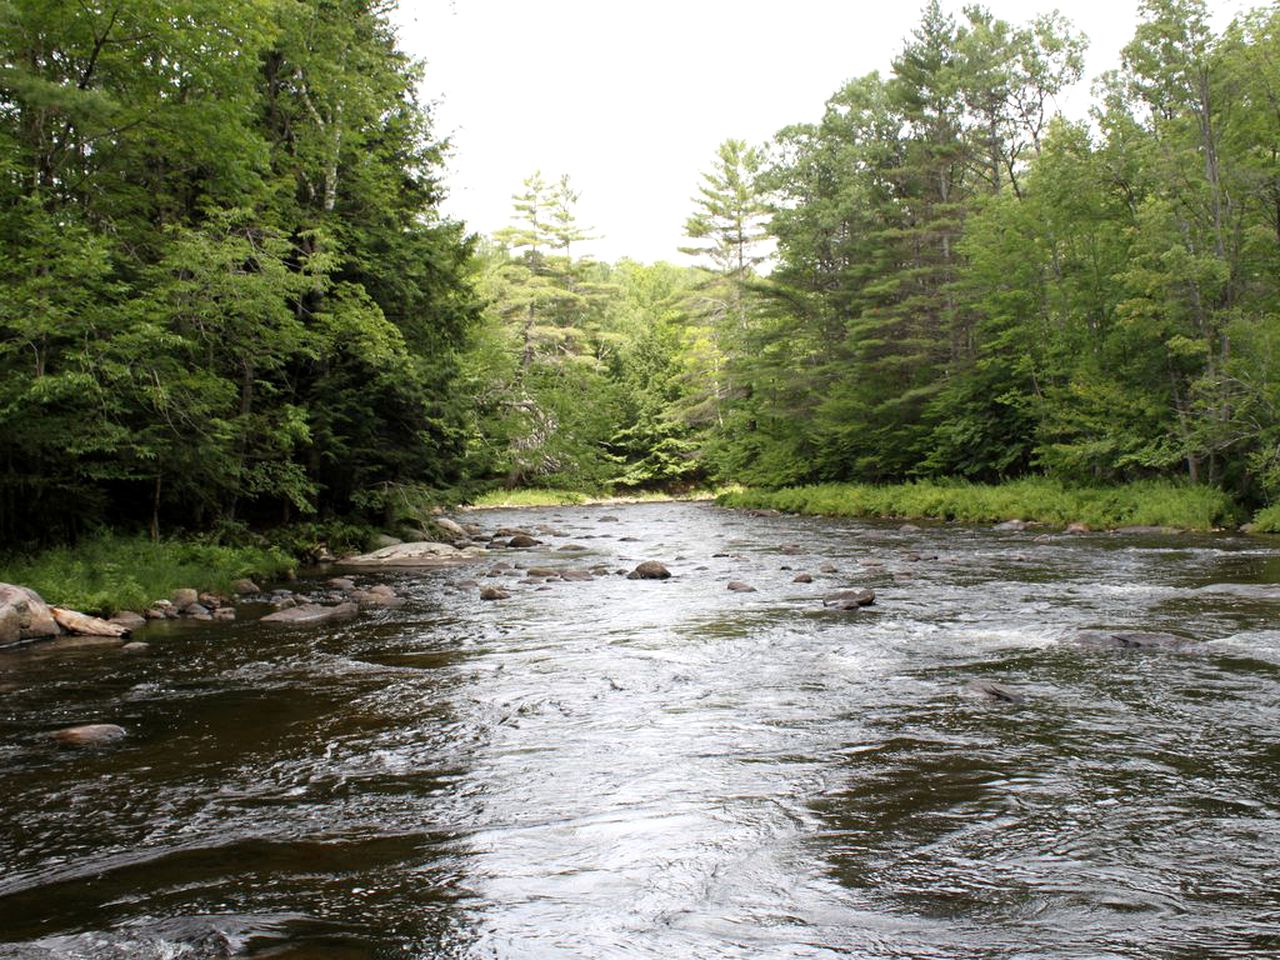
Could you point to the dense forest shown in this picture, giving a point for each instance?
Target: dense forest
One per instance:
(229, 296)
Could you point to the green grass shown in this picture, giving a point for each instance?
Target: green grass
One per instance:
(1266, 520)
(544, 497)
(530, 497)
(1146, 503)
(110, 573)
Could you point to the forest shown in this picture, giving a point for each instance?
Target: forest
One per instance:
(230, 300)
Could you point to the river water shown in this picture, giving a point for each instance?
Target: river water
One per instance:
(632, 769)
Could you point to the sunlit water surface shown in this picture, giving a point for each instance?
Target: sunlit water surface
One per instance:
(638, 769)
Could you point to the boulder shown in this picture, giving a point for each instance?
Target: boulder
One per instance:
(573, 548)
(452, 528)
(576, 575)
(90, 735)
(802, 578)
(737, 586)
(184, 597)
(129, 620)
(850, 599)
(828, 568)
(522, 541)
(341, 583)
(509, 532)
(649, 570)
(543, 572)
(135, 648)
(385, 540)
(421, 554)
(493, 593)
(86, 626)
(244, 587)
(1011, 525)
(10, 626)
(310, 614)
(24, 616)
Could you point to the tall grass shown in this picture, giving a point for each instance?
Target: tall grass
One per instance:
(530, 497)
(110, 573)
(544, 497)
(1145, 503)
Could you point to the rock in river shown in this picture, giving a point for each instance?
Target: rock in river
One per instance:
(737, 586)
(996, 692)
(90, 735)
(24, 616)
(310, 614)
(649, 570)
(1130, 640)
(850, 599)
(494, 593)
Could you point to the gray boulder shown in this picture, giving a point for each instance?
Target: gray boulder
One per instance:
(452, 528)
(24, 616)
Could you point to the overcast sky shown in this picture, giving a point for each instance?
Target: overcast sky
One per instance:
(631, 99)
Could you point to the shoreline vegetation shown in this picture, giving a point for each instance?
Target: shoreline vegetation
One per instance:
(1153, 503)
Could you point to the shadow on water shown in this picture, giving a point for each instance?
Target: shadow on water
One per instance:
(612, 768)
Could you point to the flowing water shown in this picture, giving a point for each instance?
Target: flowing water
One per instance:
(619, 769)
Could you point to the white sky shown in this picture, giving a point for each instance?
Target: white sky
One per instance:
(632, 99)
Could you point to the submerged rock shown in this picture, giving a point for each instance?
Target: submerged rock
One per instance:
(310, 614)
(990, 690)
(1130, 640)
(90, 735)
(1012, 525)
(649, 570)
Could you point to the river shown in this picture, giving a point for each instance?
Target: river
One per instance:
(669, 769)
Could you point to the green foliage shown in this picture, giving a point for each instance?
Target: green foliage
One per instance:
(1149, 503)
(105, 574)
(225, 290)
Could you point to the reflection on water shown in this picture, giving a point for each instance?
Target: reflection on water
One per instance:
(620, 768)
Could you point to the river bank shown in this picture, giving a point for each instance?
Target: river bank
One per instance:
(1150, 504)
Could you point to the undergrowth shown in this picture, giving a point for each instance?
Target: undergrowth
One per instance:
(1145, 503)
(109, 573)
